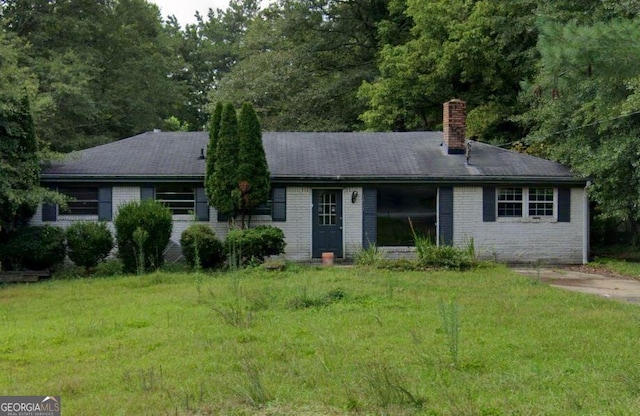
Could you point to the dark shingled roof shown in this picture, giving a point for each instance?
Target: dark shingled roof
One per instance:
(364, 157)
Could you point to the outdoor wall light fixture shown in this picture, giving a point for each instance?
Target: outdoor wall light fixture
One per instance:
(354, 197)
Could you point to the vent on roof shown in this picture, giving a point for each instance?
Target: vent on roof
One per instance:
(201, 157)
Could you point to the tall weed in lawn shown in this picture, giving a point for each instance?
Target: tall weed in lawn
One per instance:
(253, 389)
(451, 326)
(443, 256)
(235, 311)
(145, 380)
(388, 387)
(140, 237)
(370, 256)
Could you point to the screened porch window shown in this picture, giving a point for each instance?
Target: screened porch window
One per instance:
(397, 207)
(179, 199)
(84, 200)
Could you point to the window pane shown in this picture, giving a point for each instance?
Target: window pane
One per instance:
(327, 209)
(510, 202)
(541, 202)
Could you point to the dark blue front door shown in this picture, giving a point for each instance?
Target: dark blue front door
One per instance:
(327, 222)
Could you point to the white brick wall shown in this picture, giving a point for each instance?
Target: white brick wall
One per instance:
(352, 221)
(297, 228)
(518, 240)
(511, 240)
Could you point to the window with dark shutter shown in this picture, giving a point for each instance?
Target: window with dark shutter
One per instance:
(279, 204)
(83, 200)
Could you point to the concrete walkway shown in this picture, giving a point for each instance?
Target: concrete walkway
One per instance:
(609, 286)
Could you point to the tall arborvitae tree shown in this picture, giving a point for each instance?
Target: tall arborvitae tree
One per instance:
(214, 134)
(225, 196)
(253, 173)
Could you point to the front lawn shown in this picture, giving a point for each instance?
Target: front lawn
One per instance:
(320, 341)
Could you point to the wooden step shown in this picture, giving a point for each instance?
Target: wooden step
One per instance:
(24, 276)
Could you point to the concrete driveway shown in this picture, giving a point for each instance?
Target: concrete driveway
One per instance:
(584, 280)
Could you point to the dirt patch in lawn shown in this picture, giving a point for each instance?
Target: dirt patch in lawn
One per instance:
(588, 279)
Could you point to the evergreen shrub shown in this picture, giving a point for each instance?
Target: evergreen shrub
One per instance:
(255, 243)
(152, 218)
(201, 248)
(34, 248)
(88, 243)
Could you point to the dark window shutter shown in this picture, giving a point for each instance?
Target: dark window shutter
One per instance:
(146, 192)
(369, 217)
(202, 208)
(445, 214)
(564, 204)
(104, 203)
(279, 204)
(49, 212)
(488, 204)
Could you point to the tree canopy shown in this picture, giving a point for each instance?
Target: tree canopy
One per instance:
(19, 155)
(549, 76)
(585, 108)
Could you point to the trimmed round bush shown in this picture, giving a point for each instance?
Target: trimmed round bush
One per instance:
(88, 243)
(210, 251)
(255, 243)
(155, 222)
(34, 248)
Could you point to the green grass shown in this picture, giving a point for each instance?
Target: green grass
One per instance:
(319, 341)
(627, 268)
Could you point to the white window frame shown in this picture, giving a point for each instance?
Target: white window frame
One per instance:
(526, 204)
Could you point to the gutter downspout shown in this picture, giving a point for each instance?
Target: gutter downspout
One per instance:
(438, 217)
(585, 233)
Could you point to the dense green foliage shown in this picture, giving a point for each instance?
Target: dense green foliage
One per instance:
(19, 156)
(237, 179)
(212, 146)
(151, 219)
(19, 164)
(584, 110)
(254, 179)
(102, 67)
(201, 248)
(224, 194)
(34, 248)
(254, 243)
(88, 243)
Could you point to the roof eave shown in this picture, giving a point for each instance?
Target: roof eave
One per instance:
(476, 180)
(119, 178)
(335, 179)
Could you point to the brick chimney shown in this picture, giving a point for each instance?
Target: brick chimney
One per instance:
(454, 121)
